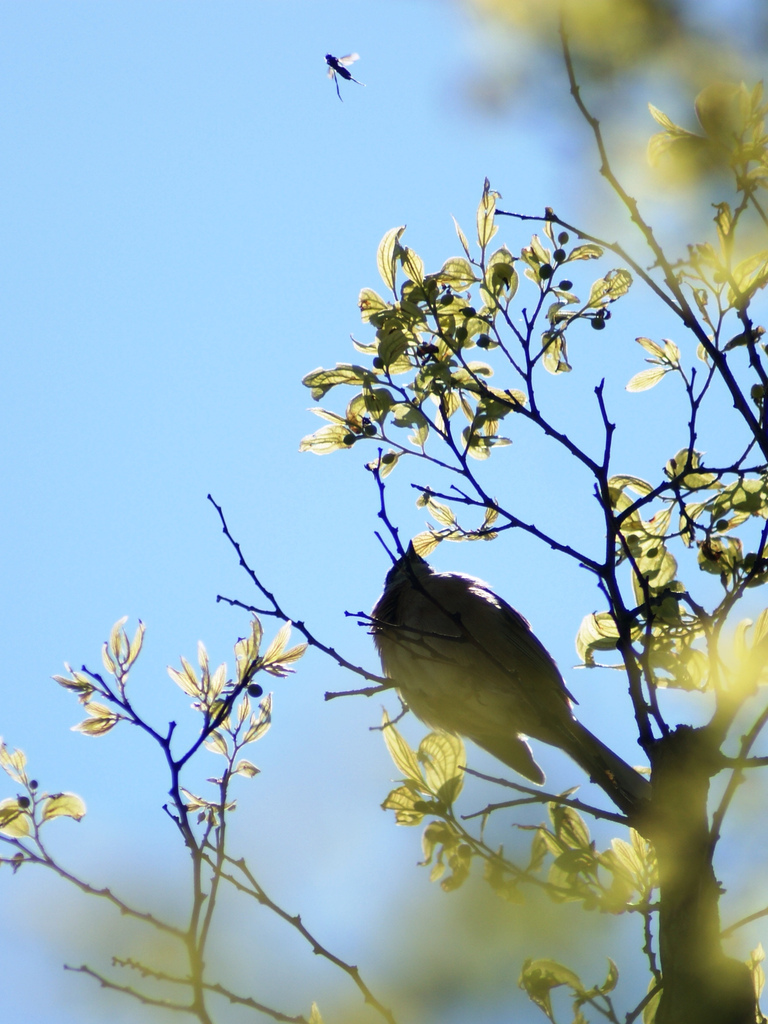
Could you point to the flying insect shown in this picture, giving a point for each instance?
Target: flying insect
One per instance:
(336, 67)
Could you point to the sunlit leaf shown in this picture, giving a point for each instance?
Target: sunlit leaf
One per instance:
(646, 379)
(321, 381)
(462, 238)
(386, 257)
(402, 801)
(261, 723)
(458, 273)
(401, 753)
(615, 284)
(14, 821)
(441, 754)
(217, 744)
(425, 543)
(325, 440)
(244, 767)
(589, 251)
(486, 211)
(68, 805)
(103, 719)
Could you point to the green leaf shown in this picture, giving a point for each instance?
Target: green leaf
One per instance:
(624, 481)
(650, 346)
(462, 238)
(457, 273)
(539, 977)
(628, 859)
(413, 265)
(66, 805)
(612, 978)
(261, 723)
(444, 514)
(402, 801)
(598, 632)
(646, 379)
(321, 381)
(609, 288)
(371, 303)
(441, 754)
(386, 257)
(326, 439)
(749, 275)
(425, 543)
(650, 1008)
(501, 279)
(314, 1015)
(217, 744)
(555, 357)
(103, 719)
(14, 821)
(661, 118)
(247, 650)
(77, 682)
(585, 252)
(486, 211)
(401, 753)
(246, 768)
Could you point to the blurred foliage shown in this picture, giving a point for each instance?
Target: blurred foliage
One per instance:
(678, 45)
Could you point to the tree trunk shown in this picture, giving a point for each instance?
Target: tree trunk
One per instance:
(700, 984)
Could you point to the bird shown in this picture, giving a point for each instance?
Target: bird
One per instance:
(465, 662)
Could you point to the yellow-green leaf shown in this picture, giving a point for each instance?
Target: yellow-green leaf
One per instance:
(326, 439)
(386, 257)
(441, 754)
(402, 801)
(458, 273)
(67, 805)
(14, 821)
(646, 379)
(401, 753)
(486, 211)
(424, 543)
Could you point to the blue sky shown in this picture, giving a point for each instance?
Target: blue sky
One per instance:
(188, 214)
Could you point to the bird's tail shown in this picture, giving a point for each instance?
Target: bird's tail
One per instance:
(626, 787)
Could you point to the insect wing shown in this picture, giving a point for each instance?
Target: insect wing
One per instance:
(349, 59)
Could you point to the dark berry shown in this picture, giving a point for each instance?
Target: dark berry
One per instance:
(254, 690)
(566, 285)
(545, 271)
(350, 439)
(24, 802)
(563, 237)
(598, 325)
(378, 363)
(559, 255)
